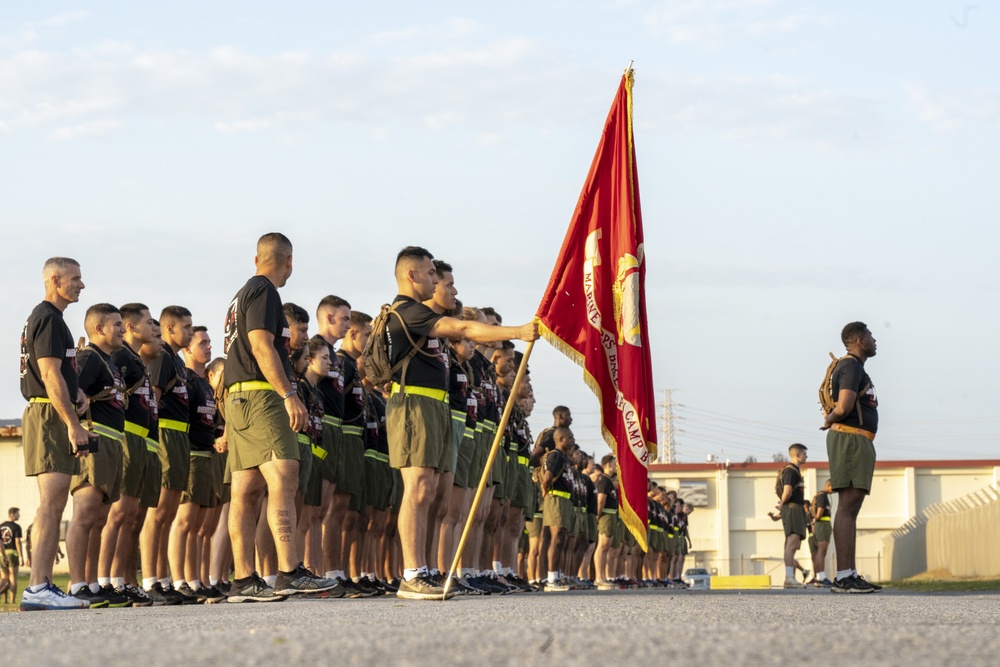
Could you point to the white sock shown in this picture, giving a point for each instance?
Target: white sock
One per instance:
(508, 572)
(38, 588)
(553, 577)
(103, 581)
(195, 585)
(165, 582)
(411, 573)
(340, 575)
(95, 587)
(76, 588)
(148, 583)
(789, 572)
(371, 576)
(497, 566)
(213, 582)
(820, 576)
(854, 572)
(180, 583)
(118, 582)
(844, 574)
(270, 579)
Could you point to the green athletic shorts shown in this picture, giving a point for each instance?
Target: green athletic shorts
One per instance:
(152, 476)
(102, 469)
(419, 430)
(258, 430)
(823, 530)
(852, 460)
(463, 464)
(607, 524)
(793, 519)
(46, 442)
(133, 465)
(175, 459)
(559, 512)
(201, 489)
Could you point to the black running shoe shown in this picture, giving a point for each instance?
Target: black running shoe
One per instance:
(186, 592)
(421, 588)
(252, 589)
(136, 595)
(390, 586)
(473, 584)
(168, 595)
(301, 580)
(115, 600)
(94, 600)
(351, 590)
(211, 594)
(853, 584)
(875, 587)
(223, 587)
(373, 586)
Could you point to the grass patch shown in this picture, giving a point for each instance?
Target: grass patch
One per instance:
(6, 604)
(942, 581)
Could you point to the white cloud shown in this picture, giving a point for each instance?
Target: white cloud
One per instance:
(95, 128)
(63, 19)
(251, 125)
(956, 107)
(713, 23)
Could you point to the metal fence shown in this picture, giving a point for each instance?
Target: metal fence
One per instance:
(961, 536)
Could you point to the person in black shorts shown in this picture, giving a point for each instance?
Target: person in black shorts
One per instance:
(54, 438)
(263, 415)
(98, 485)
(850, 445)
(418, 419)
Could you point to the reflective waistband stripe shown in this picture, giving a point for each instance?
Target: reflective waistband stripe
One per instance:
(470, 432)
(479, 427)
(843, 428)
(561, 494)
(174, 425)
(107, 432)
(303, 438)
(135, 429)
(319, 452)
(608, 510)
(152, 446)
(330, 420)
(581, 510)
(823, 518)
(378, 456)
(458, 416)
(39, 399)
(656, 528)
(436, 394)
(252, 385)
(204, 455)
(538, 515)
(523, 460)
(352, 430)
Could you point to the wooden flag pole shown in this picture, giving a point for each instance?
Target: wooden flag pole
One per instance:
(497, 439)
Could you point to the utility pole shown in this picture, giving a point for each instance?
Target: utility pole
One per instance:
(666, 450)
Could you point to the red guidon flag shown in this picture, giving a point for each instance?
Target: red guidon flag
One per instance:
(594, 309)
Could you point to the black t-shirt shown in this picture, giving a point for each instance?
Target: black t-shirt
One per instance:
(9, 531)
(45, 334)
(314, 405)
(458, 384)
(477, 365)
(132, 371)
(822, 502)
(471, 397)
(378, 436)
(168, 371)
(202, 413)
(522, 433)
(557, 463)
(354, 393)
(101, 382)
(591, 495)
(850, 374)
(256, 306)
(429, 367)
(791, 476)
(331, 387)
(607, 487)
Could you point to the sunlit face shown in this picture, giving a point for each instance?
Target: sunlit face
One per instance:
(179, 333)
(319, 363)
(115, 330)
(69, 283)
(361, 336)
(299, 334)
(340, 321)
(143, 329)
(200, 348)
(445, 291)
(424, 279)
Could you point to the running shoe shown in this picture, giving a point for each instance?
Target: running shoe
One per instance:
(792, 582)
(168, 595)
(301, 580)
(823, 583)
(211, 594)
(50, 598)
(421, 588)
(558, 586)
(875, 587)
(137, 596)
(390, 586)
(252, 589)
(352, 590)
(366, 585)
(93, 600)
(115, 599)
(853, 584)
(185, 593)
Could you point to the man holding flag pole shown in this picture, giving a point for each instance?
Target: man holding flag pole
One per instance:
(594, 311)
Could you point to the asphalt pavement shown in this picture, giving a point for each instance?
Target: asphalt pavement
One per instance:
(615, 628)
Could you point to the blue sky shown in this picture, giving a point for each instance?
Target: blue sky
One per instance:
(801, 165)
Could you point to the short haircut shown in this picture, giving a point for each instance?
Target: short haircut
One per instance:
(560, 410)
(173, 315)
(331, 302)
(273, 248)
(13, 510)
(295, 313)
(198, 329)
(412, 253)
(215, 366)
(796, 447)
(470, 313)
(98, 314)
(599, 468)
(360, 320)
(680, 501)
(156, 322)
(506, 345)
(132, 312)
(607, 458)
(442, 266)
(489, 311)
(54, 265)
(852, 331)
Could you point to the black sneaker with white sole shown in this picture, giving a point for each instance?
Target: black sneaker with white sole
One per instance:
(252, 589)
(852, 584)
(301, 580)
